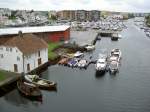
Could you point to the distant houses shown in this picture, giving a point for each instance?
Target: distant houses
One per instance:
(22, 53)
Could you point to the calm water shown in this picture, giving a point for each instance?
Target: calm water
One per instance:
(85, 91)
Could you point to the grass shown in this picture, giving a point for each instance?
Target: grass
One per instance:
(51, 47)
(2, 75)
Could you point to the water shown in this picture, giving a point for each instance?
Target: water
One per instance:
(84, 90)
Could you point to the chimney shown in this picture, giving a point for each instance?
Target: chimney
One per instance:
(20, 34)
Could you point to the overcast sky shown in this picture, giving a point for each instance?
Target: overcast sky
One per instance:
(111, 5)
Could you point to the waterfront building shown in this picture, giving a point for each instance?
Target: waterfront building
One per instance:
(48, 33)
(22, 53)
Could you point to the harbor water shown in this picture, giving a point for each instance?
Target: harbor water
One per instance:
(86, 91)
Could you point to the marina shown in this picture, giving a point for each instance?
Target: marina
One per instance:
(87, 90)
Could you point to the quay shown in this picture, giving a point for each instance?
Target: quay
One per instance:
(107, 33)
(83, 38)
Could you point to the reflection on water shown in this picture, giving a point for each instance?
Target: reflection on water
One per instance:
(99, 74)
(17, 99)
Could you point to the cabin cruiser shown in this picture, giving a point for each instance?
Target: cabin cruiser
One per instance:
(101, 63)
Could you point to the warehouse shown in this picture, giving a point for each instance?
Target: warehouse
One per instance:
(48, 33)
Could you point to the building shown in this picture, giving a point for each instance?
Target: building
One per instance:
(22, 53)
(66, 15)
(93, 15)
(81, 15)
(48, 33)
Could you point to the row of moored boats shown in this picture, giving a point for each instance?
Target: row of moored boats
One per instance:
(109, 63)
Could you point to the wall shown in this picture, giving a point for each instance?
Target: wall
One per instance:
(10, 58)
(32, 59)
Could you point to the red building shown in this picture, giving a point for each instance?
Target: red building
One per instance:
(48, 33)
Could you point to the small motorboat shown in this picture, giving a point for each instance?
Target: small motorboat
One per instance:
(63, 61)
(28, 89)
(73, 63)
(78, 54)
(40, 82)
(83, 63)
(113, 67)
(90, 47)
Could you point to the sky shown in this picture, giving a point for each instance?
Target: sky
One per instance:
(109, 5)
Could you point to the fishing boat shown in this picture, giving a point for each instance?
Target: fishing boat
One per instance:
(90, 47)
(83, 63)
(73, 62)
(40, 82)
(113, 67)
(28, 89)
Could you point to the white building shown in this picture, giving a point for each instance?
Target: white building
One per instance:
(23, 53)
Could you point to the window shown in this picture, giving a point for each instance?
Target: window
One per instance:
(1, 55)
(10, 49)
(7, 49)
(1, 48)
(18, 58)
(39, 53)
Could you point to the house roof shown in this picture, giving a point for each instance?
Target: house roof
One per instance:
(27, 43)
(37, 29)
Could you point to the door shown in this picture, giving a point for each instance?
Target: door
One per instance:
(28, 67)
(15, 68)
(39, 61)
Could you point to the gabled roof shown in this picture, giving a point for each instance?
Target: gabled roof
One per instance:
(27, 44)
(37, 29)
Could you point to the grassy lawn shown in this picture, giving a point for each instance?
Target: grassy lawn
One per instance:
(51, 46)
(2, 75)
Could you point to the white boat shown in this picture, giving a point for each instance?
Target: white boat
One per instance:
(114, 66)
(42, 83)
(115, 53)
(90, 47)
(101, 63)
(78, 54)
(83, 63)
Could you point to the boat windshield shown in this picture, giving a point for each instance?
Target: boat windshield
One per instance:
(113, 65)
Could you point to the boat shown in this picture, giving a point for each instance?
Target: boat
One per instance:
(115, 54)
(90, 47)
(73, 62)
(40, 82)
(78, 54)
(113, 67)
(63, 61)
(28, 89)
(83, 63)
(101, 63)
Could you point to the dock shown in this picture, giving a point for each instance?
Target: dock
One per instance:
(83, 38)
